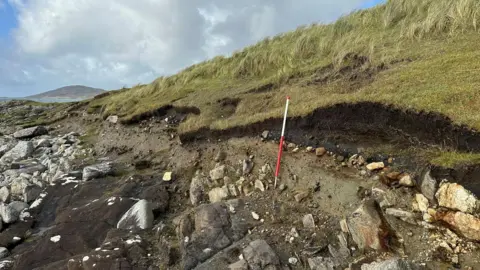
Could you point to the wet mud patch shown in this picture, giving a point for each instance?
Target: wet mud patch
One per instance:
(370, 121)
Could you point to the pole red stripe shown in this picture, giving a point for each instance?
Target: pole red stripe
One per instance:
(280, 151)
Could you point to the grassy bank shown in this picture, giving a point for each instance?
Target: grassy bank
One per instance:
(412, 54)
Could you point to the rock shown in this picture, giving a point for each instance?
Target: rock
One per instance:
(282, 187)
(392, 264)
(422, 202)
(309, 149)
(319, 263)
(301, 196)
(266, 169)
(197, 188)
(4, 194)
(400, 213)
(22, 150)
(31, 193)
(97, 171)
(220, 156)
(292, 261)
(321, 151)
(30, 132)
(3, 253)
(112, 119)
(265, 134)
(43, 143)
(232, 189)
(247, 166)
(259, 255)
(406, 180)
(255, 216)
(308, 221)
(210, 228)
(11, 212)
(429, 186)
(167, 177)
(158, 197)
(464, 224)
(240, 265)
(140, 216)
(218, 173)
(259, 185)
(375, 166)
(456, 197)
(19, 185)
(218, 194)
(368, 227)
(18, 206)
(340, 158)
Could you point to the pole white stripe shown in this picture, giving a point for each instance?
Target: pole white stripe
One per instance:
(285, 118)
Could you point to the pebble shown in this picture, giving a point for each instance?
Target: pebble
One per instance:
(255, 216)
(301, 196)
(293, 261)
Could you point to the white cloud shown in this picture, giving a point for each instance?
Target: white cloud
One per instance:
(111, 43)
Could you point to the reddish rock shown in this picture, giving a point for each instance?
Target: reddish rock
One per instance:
(464, 224)
(369, 228)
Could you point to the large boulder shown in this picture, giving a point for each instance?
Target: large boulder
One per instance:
(211, 228)
(11, 212)
(140, 216)
(30, 132)
(259, 255)
(392, 264)
(456, 197)
(4, 194)
(464, 224)
(22, 150)
(97, 171)
(31, 193)
(369, 228)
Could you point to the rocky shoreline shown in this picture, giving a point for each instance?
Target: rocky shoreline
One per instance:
(150, 202)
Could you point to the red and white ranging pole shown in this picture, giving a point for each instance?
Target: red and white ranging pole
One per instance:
(280, 147)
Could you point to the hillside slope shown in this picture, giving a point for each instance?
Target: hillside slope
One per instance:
(411, 55)
(71, 92)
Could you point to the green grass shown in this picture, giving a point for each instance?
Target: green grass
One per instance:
(430, 49)
(455, 159)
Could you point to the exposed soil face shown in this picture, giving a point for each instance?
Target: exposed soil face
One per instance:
(370, 121)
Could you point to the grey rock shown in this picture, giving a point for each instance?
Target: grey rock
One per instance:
(112, 119)
(18, 206)
(259, 255)
(197, 188)
(4, 253)
(218, 173)
(97, 171)
(308, 221)
(4, 194)
(320, 263)
(393, 264)
(30, 132)
(240, 265)
(11, 212)
(31, 193)
(139, 216)
(247, 166)
(5, 148)
(18, 186)
(265, 134)
(22, 150)
(429, 186)
(43, 143)
(368, 227)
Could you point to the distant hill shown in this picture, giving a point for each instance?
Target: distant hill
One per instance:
(68, 92)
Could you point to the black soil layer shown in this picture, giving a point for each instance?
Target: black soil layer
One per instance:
(368, 120)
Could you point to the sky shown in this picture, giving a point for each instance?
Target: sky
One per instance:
(47, 44)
